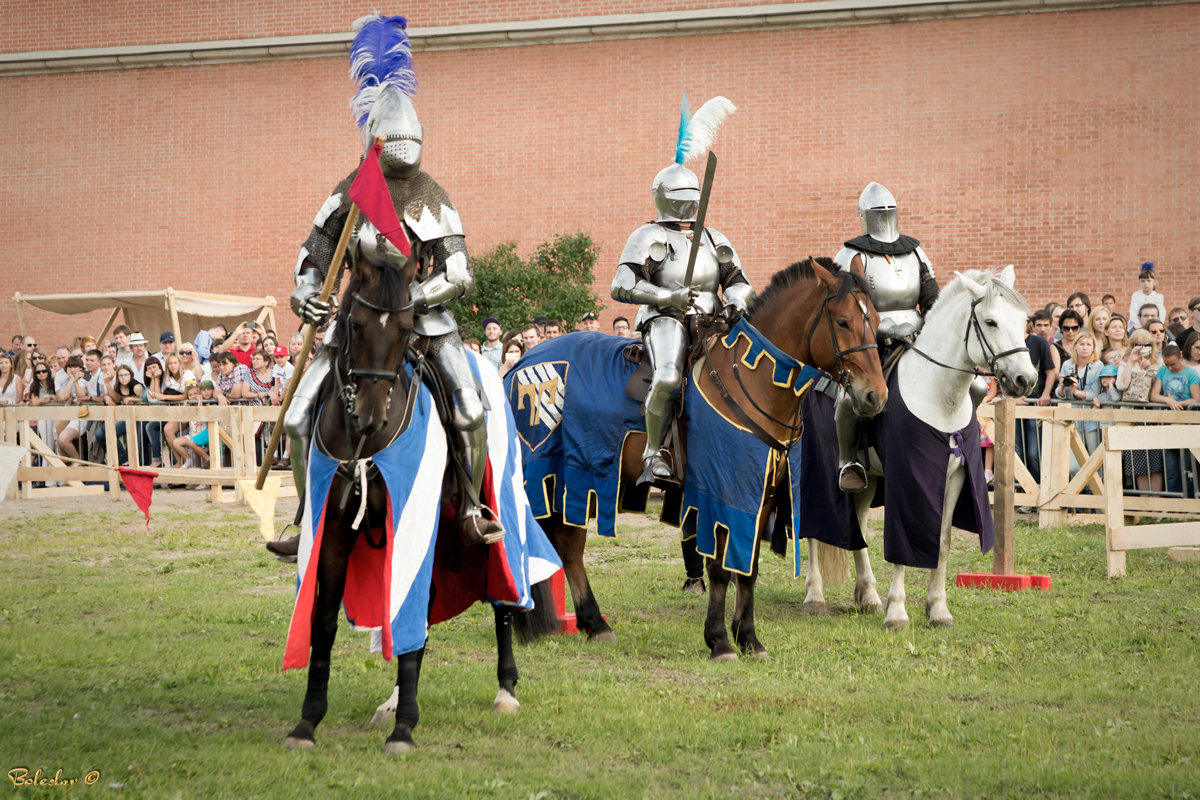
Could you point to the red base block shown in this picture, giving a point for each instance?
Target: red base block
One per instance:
(1009, 583)
(558, 590)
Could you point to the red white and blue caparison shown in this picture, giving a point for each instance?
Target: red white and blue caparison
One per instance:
(417, 578)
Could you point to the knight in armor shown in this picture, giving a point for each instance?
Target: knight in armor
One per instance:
(383, 108)
(903, 289)
(653, 273)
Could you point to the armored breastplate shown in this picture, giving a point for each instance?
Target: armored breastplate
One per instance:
(895, 283)
(705, 275)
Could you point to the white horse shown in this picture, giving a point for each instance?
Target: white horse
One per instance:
(977, 322)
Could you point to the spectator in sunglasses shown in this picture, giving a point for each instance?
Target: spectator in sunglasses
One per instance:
(1069, 325)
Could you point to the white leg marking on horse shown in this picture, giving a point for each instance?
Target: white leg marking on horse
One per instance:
(897, 615)
(387, 709)
(936, 609)
(814, 588)
(505, 703)
(866, 595)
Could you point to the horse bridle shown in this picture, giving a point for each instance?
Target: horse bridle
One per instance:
(869, 343)
(348, 392)
(796, 426)
(989, 353)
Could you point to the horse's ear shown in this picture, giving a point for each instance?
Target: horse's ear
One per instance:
(826, 277)
(1008, 276)
(977, 290)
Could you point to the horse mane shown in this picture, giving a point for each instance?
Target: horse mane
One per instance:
(803, 271)
(956, 289)
(390, 291)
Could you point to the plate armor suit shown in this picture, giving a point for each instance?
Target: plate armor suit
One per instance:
(653, 273)
(435, 232)
(903, 289)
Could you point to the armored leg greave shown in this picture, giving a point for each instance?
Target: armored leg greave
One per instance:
(852, 476)
(466, 421)
(297, 422)
(666, 343)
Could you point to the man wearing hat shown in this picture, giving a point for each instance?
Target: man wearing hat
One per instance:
(137, 345)
(166, 346)
(589, 322)
(492, 348)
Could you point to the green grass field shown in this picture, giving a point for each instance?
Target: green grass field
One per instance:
(152, 657)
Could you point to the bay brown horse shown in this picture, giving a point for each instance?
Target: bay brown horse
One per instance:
(818, 317)
(363, 409)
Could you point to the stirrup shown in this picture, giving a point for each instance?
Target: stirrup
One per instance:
(285, 549)
(654, 467)
(474, 528)
(852, 477)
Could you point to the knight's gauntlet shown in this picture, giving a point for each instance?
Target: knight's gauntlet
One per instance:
(306, 299)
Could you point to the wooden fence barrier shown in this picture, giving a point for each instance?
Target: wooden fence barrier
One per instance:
(235, 427)
(1095, 493)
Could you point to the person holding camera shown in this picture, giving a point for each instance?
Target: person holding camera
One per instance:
(241, 343)
(1081, 381)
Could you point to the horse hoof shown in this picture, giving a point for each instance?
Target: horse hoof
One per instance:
(294, 743)
(816, 609)
(694, 586)
(946, 622)
(724, 655)
(871, 608)
(895, 624)
(400, 742)
(603, 637)
(505, 703)
(398, 747)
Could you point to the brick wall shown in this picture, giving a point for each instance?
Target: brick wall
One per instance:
(60, 24)
(1061, 142)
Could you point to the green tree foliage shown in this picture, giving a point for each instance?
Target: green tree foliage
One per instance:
(555, 281)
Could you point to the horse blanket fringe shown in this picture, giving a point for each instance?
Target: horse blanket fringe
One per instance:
(395, 583)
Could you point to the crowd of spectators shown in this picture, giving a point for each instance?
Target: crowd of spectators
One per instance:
(1096, 356)
(504, 348)
(247, 366)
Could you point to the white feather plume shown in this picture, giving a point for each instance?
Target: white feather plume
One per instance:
(702, 128)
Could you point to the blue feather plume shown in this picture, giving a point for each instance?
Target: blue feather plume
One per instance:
(683, 140)
(380, 55)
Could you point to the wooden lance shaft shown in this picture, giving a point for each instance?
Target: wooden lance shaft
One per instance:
(310, 335)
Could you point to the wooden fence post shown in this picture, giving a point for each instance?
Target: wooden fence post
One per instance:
(1004, 479)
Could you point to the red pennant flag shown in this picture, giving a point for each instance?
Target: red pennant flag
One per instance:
(140, 485)
(370, 193)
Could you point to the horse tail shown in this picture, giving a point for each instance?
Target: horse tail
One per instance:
(834, 563)
(541, 620)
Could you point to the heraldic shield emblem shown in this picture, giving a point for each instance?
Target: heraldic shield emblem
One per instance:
(536, 396)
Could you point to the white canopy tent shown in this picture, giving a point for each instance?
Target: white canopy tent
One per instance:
(151, 312)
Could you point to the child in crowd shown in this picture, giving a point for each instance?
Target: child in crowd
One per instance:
(1146, 294)
(1109, 393)
(192, 447)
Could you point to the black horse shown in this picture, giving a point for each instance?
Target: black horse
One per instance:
(365, 407)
